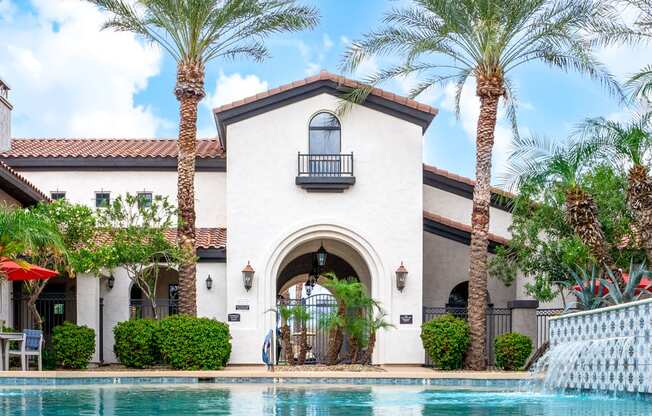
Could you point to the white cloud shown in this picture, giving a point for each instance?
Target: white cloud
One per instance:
(327, 41)
(312, 68)
(71, 79)
(469, 113)
(229, 88)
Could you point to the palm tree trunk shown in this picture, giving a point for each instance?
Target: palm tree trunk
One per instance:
(366, 358)
(287, 344)
(582, 215)
(303, 346)
(489, 90)
(335, 338)
(639, 199)
(189, 91)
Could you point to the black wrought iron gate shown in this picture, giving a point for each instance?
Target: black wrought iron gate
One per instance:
(318, 307)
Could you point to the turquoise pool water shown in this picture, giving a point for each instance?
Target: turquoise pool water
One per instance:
(253, 399)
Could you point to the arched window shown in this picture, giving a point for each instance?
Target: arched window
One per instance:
(459, 296)
(324, 134)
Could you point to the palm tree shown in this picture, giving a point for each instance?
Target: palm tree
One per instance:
(629, 144)
(450, 41)
(27, 235)
(301, 315)
(546, 163)
(376, 323)
(286, 314)
(195, 32)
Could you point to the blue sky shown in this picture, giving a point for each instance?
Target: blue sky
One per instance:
(70, 80)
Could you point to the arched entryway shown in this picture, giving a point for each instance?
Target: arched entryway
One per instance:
(166, 297)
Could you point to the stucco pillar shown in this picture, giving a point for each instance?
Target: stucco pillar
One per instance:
(524, 318)
(88, 308)
(5, 302)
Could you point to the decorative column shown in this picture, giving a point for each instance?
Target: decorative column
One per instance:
(88, 308)
(524, 318)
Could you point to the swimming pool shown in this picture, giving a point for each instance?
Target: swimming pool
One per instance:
(305, 400)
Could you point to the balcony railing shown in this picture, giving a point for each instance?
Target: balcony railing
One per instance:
(325, 172)
(142, 308)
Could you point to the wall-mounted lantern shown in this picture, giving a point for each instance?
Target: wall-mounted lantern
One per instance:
(248, 276)
(321, 254)
(401, 277)
(209, 282)
(110, 281)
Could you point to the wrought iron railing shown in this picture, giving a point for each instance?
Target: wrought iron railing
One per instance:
(325, 165)
(142, 308)
(543, 326)
(54, 310)
(499, 321)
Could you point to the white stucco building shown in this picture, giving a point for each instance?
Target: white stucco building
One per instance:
(285, 177)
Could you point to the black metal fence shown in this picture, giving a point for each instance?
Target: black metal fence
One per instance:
(499, 321)
(543, 327)
(54, 310)
(142, 308)
(317, 306)
(325, 165)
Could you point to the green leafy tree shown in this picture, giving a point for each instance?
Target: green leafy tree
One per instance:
(452, 41)
(194, 33)
(137, 238)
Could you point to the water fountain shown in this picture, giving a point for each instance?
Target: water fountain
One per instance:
(608, 349)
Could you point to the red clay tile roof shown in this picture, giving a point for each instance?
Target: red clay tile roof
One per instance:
(204, 237)
(21, 179)
(327, 76)
(460, 226)
(105, 148)
(464, 179)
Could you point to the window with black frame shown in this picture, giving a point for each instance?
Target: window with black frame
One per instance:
(324, 145)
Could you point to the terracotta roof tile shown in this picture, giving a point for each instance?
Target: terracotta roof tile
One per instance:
(464, 179)
(460, 226)
(204, 237)
(325, 75)
(114, 147)
(18, 176)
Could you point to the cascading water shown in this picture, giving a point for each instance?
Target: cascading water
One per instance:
(587, 364)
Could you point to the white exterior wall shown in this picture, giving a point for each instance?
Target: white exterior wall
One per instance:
(381, 213)
(458, 208)
(80, 187)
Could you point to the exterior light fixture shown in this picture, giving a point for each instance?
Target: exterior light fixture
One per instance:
(248, 276)
(321, 255)
(209, 282)
(401, 277)
(110, 281)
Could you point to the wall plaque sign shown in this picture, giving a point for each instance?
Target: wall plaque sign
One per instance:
(241, 307)
(406, 319)
(234, 317)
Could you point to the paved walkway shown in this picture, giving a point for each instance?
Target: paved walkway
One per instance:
(404, 372)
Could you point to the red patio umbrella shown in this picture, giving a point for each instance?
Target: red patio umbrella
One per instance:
(15, 271)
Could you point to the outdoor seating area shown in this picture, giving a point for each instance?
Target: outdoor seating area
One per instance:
(26, 346)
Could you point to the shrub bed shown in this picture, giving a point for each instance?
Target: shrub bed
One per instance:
(73, 345)
(512, 350)
(136, 342)
(190, 343)
(446, 340)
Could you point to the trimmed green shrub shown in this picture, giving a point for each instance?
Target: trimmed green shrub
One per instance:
(73, 345)
(446, 340)
(512, 350)
(136, 342)
(190, 343)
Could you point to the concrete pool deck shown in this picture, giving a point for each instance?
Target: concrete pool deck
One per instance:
(259, 374)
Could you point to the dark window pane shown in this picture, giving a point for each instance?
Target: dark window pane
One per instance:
(102, 199)
(145, 199)
(324, 121)
(324, 142)
(55, 196)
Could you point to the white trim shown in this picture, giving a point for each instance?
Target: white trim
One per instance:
(600, 310)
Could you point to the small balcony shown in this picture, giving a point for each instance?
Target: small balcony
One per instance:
(325, 172)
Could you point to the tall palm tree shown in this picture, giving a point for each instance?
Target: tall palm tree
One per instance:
(195, 32)
(629, 144)
(451, 41)
(547, 163)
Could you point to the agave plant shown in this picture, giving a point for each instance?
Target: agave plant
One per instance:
(633, 290)
(587, 289)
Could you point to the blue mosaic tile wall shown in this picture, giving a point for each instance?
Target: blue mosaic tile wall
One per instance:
(612, 349)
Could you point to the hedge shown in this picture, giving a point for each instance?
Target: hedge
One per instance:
(512, 350)
(190, 343)
(73, 345)
(136, 342)
(446, 340)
